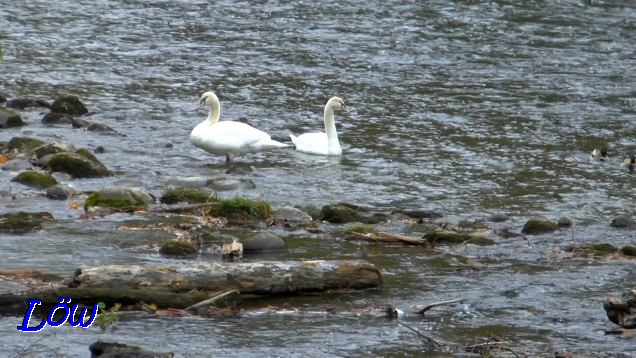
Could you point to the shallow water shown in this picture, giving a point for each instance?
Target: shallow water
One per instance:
(463, 107)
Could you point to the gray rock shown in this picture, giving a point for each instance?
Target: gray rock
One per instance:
(9, 118)
(69, 104)
(222, 184)
(291, 214)
(498, 217)
(101, 128)
(77, 165)
(79, 122)
(17, 165)
(564, 222)
(24, 144)
(57, 118)
(22, 103)
(538, 225)
(118, 199)
(623, 222)
(57, 192)
(52, 148)
(264, 242)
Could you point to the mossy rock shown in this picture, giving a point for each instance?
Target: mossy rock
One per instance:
(9, 118)
(119, 199)
(456, 238)
(623, 222)
(100, 128)
(360, 229)
(179, 249)
(340, 214)
(77, 165)
(24, 144)
(35, 179)
(602, 249)
(536, 226)
(69, 104)
(52, 148)
(23, 222)
(187, 195)
(87, 154)
(628, 250)
(240, 210)
(22, 103)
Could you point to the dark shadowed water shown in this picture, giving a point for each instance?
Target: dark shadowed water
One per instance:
(463, 107)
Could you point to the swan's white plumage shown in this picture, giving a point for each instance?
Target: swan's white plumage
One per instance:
(322, 143)
(228, 137)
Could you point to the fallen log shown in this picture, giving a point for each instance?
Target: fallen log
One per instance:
(276, 277)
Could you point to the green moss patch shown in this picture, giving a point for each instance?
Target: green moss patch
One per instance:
(595, 250)
(35, 179)
(455, 238)
(188, 195)
(23, 222)
(628, 250)
(239, 210)
(118, 199)
(361, 229)
(179, 248)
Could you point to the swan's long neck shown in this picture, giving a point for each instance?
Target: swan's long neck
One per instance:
(330, 128)
(215, 113)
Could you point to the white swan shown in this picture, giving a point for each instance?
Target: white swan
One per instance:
(228, 138)
(321, 143)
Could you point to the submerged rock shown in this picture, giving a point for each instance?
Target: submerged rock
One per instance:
(539, 225)
(263, 243)
(22, 103)
(564, 222)
(101, 128)
(102, 349)
(187, 195)
(419, 213)
(57, 118)
(24, 144)
(222, 184)
(456, 238)
(78, 165)
(35, 179)
(9, 118)
(69, 104)
(17, 164)
(179, 249)
(623, 222)
(118, 199)
(79, 122)
(498, 217)
(23, 222)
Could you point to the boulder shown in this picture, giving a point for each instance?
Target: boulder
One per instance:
(622, 312)
(57, 118)
(623, 222)
(23, 222)
(118, 199)
(291, 214)
(263, 243)
(564, 222)
(69, 104)
(340, 214)
(498, 217)
(24, 144)
(35, 179)
(9, 118)
(57, 192)
(539, 225)
(77, 165)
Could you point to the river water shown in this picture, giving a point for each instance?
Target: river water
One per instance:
(467, 108)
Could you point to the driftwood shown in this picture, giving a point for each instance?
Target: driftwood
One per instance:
(180, 208)
(386, 237)
(212, 300)
(286, 277)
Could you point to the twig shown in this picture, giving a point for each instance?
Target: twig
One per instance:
(430, 340)
(426, 308)
(212, 300)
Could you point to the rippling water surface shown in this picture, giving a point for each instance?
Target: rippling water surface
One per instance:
(463, 107)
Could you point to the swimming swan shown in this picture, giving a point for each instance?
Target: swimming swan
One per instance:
(322, 143)
(228, 138)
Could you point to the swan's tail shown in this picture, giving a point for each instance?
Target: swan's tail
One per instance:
(293, 138)
(274, 144)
